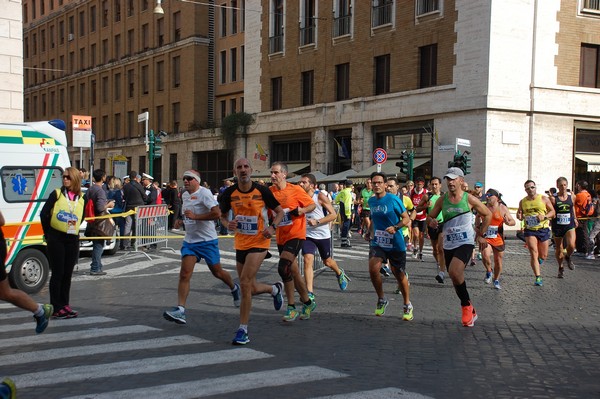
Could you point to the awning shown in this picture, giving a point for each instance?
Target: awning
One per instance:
(338, 177)
(389, 168)
(592, 160)
(292, 168)
(317, 174)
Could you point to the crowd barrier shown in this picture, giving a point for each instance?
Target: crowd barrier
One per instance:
(151, 228)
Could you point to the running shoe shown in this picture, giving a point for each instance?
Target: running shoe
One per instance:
(385, 270)
(538, 281)
(561, 272)
(570, 264)
(176, 315)
(236, 295)
(414, 254)
(440, 278)
(381, 305)
(408, 313)
(241, 337)
(590, 256)
(311, 296)
(398, 291)
(72, 313)
(409, 247)
(62, 314)
(291, 314)
(497, 285)
(469, 315)
(307, 310)
(488, 278)
(41, 322)
(278, 298)
(472, 263)
(407, 279)
(420, 256)
(342, 280)
(479, 257)
(540, 261)
(8, 389)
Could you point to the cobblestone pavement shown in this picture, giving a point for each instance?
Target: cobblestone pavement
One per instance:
(528, 341)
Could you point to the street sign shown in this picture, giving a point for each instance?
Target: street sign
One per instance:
(379, 155)
(446, 147)
(463, 142)
(143, 116)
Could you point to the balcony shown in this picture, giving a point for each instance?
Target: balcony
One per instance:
(307, 35)
(341, 25)
(381, 15)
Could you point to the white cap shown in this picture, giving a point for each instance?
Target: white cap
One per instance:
(147, 176)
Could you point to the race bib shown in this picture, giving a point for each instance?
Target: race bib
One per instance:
(287, 219)
(532, 221)
(187, 220)
(247, 225)
(563, 218)
(456, 236)
(492, 232)
(384, 239)
(71, 224)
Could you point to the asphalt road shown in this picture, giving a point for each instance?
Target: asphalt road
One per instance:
(528, 342)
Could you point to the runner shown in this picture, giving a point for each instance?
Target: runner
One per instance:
(249, 202)
(389, 215)
(365, 194)
(291, 234)
(459, 235)
(318, 235)
(564, 225)
(393, 187)
(536, 209)
(495, 236)
(200, 210)
(427, 203)
(418, 224)
(344, 199)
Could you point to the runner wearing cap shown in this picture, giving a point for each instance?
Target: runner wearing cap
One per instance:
(459, 235)
(495, 236)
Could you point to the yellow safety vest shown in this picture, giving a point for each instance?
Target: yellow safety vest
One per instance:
(65, 213)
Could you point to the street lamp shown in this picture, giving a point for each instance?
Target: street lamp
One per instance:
(158, 9)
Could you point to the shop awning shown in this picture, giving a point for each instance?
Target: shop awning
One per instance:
(338, 177)
(293, 168)
(389, 168)
(317, 174)
(592, 160)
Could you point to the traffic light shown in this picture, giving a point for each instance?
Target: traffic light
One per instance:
(404, 163)
(466, 163)
(158, 138)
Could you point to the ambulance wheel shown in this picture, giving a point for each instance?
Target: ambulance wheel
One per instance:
(30, 271)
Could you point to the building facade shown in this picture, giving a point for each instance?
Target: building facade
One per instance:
(11, 64)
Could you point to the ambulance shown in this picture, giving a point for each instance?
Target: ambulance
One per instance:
(33, 156)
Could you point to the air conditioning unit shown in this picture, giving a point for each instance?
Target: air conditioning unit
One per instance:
(70, 37)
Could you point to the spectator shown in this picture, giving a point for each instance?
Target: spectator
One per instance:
(135, 196)
(97, 195)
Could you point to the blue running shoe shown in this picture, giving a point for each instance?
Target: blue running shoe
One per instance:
(278, 298)
(241, 337)
(175, 315)
(342, 280)
(291, 314)
(538, 281)
(8, 390)
(41, 322)
(236, 295)
(307, 309)
(311, 296)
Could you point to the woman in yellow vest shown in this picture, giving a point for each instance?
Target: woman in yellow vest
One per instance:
(61, 216)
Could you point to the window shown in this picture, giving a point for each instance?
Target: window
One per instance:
(34, 44)
(117, 47)
(276, 28)
(342, 17)
(61, 100)
(27, 177)
(105, 89)
(145, 82)
(117, 86)
(144, 5)
(342, 82)
(82, 58)
(130, 125)
(117, 125)
(93, 55)
(71, 26)
(160, 117)
(428, 66)
(308, 81)
(93, 94)
(43, 72)
(61, 32)
(176, 26)
(130, 41)
(44, 105)
(104, 13)
(232, 106)
(71, 61)
(130, 7)
(292, 151)
(223, 29)
(25, 14)
(243, 15)
(591, 5)
(33, 9)
(25, 47)
(276, 93)
(234, 17)
(43, 37)
(233, 62)
(104, 51)
(176, 65)
(307, 22)
(130, 83)
(42, 7)
(382, 74)
(160, 75)
(53, 70)
(176, 117)
(52, 38)
(427, 6)
(82, 95)
(145, 38)
(589, 74)
(72, 98)
(81, 23)
(242, 58)
(160, 32)
(104, 127)
(117, 10)
(93, 19)
(381, 13)
(223, 104)
(223, 67)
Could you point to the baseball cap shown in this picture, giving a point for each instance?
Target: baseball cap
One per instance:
(453, 173)
(493, 193)
(479, 184)
(348, 183)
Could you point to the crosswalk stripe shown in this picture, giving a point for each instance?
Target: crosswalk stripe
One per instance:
(383, 393)
(223, 385)
(136, 367)
(68, 336)
(79, 321)
(61, 353)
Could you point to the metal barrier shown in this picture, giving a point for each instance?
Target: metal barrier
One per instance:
(151, 228)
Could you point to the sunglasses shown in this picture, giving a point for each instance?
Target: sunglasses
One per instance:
(66, 177)
(188, 178)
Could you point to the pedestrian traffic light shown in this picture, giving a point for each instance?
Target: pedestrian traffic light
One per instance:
(466, 163)
(158, 138)
(404, 163)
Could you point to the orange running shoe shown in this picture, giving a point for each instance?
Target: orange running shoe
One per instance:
(469, 315)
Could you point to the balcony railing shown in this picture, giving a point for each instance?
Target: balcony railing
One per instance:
(592, 4)
(381, 15)
(275, 44)
(307, 35)
(341, 25)
(426, 6)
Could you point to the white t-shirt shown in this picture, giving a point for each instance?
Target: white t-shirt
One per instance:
(199, 202)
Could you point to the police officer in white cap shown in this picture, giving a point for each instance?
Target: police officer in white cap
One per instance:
(151, 192)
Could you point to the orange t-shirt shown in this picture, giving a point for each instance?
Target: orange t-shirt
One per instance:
(581, 201)
(290, 198)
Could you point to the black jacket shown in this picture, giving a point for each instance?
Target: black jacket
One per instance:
(134, 194)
